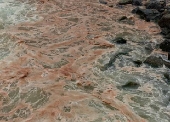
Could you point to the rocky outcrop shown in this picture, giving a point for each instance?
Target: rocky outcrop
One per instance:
(156, 4)
(147, 14)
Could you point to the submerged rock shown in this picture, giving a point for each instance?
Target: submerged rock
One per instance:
(1, 25)
(119, 40)
(167, 76)
(154, 61)
(131, 85)
(113, 59)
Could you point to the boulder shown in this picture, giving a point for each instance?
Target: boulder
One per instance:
(147, 14)
(165, 45)
(156, 4)
(165, 21)
(154, 61)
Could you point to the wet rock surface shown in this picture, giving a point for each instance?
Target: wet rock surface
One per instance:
(124, 2)
(120, 40)
(154, 61)
(164, 21)
(147, 14)
(137, 2)
(156, 4)
(58, 62)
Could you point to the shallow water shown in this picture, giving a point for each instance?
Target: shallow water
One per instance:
(58, 63)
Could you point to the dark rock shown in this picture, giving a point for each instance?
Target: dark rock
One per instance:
(166, 63)
(102, 1)
(123, 18)
(154, 61)
(165, 31)
(137, 2)
(155, 4)
(147, 14)
(167, 76)
(138, 63)
(149, 48)
(165, 45)
(131, 85)
(120, 40)
(167, 36)
(165, 21)
(124, 2)
(111, 6)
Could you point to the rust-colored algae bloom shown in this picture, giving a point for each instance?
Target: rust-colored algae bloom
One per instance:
(59, 63)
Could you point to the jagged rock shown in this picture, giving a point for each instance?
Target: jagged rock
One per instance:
(147, 14)
(165, 45)
(124, 2)
(165, 21)
(156, 4)
(137, 2)
(154, 61)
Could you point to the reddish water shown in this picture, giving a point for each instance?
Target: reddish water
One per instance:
(52, 73)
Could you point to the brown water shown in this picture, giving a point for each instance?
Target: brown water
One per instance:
(55, 66)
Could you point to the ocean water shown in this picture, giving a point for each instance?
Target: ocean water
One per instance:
(13, 12)
(58, 63)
